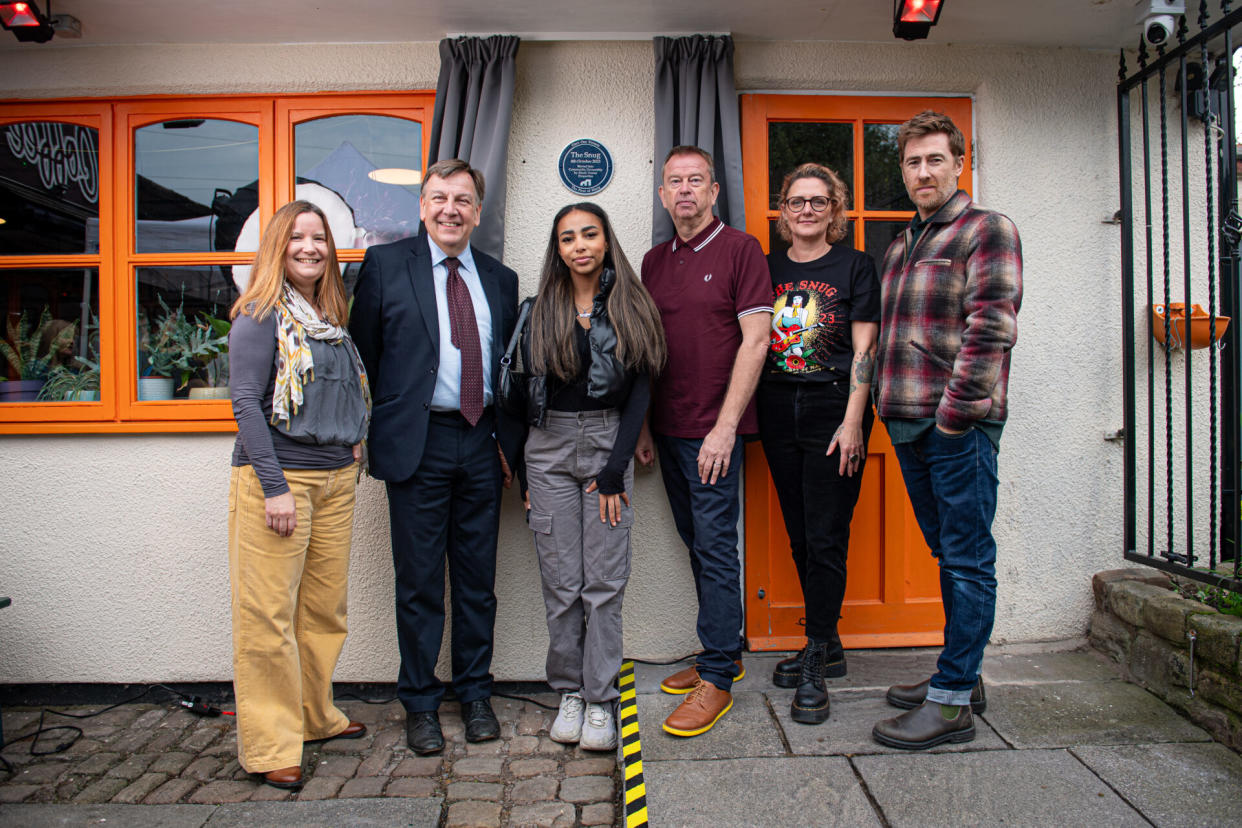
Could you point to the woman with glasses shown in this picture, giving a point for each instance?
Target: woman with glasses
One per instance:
(814, 413)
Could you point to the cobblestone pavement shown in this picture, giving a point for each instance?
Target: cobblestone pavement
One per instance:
(162, 754)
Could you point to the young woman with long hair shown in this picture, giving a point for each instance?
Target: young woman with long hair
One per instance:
(594, 342)
(302, 406)
(815, 410)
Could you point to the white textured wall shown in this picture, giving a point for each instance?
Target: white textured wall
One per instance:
(113, 547)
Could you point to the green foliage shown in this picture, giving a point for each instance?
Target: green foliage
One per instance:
(64, 383)
(80, 374)
(1221, 599)
(22, 349)
(177, 347)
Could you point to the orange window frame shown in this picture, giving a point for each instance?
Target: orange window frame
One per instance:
(276, 117)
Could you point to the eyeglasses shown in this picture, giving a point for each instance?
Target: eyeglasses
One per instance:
(819, 203)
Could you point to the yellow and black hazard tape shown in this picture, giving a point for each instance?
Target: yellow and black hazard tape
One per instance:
(631, 752)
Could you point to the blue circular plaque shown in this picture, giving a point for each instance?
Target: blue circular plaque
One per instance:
(585, 166)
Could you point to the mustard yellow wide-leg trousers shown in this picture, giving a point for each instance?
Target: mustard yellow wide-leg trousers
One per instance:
(289, 609)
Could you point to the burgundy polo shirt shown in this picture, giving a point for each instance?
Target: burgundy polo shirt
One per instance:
(702, 288)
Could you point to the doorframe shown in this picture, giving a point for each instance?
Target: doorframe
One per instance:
(761, 527)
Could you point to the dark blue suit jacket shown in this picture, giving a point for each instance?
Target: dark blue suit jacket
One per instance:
(394, 324)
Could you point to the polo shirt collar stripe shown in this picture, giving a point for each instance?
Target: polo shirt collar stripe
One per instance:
(711, 231)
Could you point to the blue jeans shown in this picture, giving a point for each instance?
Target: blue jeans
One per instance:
(706, 518)
(952, 485)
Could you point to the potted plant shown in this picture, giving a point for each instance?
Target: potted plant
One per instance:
(28, 368)
(217, 368)
(176, 348)
(64, 383)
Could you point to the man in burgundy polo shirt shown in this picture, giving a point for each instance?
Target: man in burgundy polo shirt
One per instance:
(712, 287)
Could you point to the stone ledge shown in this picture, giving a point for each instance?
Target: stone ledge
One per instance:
(1143, 625)
(1135, 573)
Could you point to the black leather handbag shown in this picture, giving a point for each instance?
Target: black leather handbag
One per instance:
(511, 395)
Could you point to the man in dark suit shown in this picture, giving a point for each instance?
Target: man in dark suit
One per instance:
(431, 318)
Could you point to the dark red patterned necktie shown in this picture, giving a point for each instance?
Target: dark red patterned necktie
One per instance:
(465, 337)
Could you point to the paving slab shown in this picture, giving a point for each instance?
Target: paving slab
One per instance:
(335, 813)
(1028, 787)
(1087, 713)
(131, 816)
(820, 791)
(1080, 665)
(1172, 784)
(867, 669)
(848, 729)
(745, 731)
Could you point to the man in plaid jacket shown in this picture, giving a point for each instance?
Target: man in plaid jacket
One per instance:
(952, 286)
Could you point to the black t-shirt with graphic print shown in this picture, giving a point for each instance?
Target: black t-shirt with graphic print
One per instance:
(812, 308)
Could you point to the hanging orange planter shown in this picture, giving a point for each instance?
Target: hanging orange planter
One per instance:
(1200, 333)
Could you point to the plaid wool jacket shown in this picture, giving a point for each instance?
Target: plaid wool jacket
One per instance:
(950, 317)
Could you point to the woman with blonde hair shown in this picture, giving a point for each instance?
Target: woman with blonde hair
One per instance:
(593, 343)
(815, 410)
(302, 406)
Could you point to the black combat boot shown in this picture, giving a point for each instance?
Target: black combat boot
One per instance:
(810, 701)
(789, 671)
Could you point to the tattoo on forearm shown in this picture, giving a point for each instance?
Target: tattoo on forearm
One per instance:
(864, 370)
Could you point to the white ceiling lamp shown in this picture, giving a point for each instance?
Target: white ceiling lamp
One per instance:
(396, 175)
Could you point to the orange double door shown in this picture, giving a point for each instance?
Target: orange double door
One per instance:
(892, 597)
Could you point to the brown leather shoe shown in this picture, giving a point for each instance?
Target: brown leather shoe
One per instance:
(284, 777)
(910, 696)
(925, 727)
(353, 730)
(683, 681)
(701, 709)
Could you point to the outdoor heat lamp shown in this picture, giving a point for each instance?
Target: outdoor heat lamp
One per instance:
(913, 19)
(26, 22)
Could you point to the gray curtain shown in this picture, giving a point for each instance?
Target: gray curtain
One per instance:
(474, 107)
(696, 104)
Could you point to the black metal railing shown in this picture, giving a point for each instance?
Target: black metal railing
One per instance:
(1180, 255)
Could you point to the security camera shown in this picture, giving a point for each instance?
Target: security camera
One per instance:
(1157, 19)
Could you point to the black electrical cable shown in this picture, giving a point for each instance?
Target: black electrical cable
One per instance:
(192, 703)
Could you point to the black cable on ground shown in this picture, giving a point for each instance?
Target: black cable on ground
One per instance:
(192, 703)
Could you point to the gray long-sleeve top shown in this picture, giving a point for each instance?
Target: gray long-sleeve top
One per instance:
(252, 380)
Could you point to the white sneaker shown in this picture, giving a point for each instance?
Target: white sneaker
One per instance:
(567, 729)
(599, 732)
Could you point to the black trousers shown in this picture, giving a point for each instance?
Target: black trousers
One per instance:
(796, 424)
(448, 511)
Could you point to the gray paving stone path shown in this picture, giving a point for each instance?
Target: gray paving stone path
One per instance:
(1064, 742)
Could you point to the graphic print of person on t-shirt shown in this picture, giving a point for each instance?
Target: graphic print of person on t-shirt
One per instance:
(804, 322)
(812, 308)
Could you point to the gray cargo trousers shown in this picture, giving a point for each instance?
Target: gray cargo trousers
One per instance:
(585, 563)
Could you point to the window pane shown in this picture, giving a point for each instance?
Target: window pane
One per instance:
(195, 183)
(879, 235)
(182, 332)
(775, 242)
(882, 170)
(333, 159)
(51, 335)
(791, 144)
(49, 188)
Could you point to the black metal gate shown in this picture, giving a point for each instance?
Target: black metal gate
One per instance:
(1180, 290)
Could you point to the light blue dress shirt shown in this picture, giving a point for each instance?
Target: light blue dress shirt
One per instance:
(447, 396)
